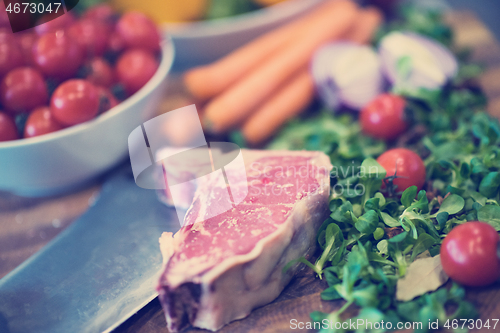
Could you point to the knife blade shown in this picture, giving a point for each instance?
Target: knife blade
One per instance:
(98, 272)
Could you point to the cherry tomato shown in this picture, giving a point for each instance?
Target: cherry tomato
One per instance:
(116, 43)
(407, 167)
(100, 72)
(469, 254)
(21, 20)
(92, 35)
(26, 41)
(39, 122)
(4, 18)
(47, 24)
(134, 68)
(106, 100)
(23, 89)
(57, 55)
(8, 130)
(138, 31)
(11, 55)
(75, 101)
(383, 118)
(102, 12)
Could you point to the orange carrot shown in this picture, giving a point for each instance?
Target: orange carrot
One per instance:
(208, 81)
(235, 104)
(286, 103)
(366, 26)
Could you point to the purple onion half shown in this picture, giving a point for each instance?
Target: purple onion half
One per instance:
(347, 73)
(429, 64)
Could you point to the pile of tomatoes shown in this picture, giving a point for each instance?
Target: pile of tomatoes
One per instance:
(69, 70)
(384, 118)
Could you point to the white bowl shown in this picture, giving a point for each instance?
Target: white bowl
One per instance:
(198, 43)
(70, 158)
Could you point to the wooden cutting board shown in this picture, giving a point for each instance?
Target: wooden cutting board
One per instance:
(302, 296)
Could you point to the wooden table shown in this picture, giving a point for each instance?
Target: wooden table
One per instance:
(26, 225)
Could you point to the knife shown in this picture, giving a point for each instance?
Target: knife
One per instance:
(97, 272)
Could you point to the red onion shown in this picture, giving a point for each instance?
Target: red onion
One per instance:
(411, 61)
(347, 73)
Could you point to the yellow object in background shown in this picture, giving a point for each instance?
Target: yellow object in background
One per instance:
(166, 10)
(267, 2)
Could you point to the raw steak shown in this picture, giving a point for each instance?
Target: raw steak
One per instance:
(219, 269)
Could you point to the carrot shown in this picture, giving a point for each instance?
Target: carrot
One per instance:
(208, 81)
(366, 26)
(288, 102)
(236, 103)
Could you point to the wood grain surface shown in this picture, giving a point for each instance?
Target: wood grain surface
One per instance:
(26, 225)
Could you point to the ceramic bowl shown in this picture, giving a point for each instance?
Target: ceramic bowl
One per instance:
(70, 158)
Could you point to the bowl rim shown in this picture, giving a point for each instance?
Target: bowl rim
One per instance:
(168, 55)
(245, 21)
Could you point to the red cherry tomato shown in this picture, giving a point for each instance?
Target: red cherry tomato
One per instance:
(138, 31)
(40, 122)
(23, 89)
(11, 55)
(134, 68)
(74, 101)
(92, 35)
(106, 100)
(383, 118)
(100, 72)
(26, 41)
(6, 35)
(47, 24)
(102, 12)
(8, 130)
(407, 166)
(57, 55)
(469, 254)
